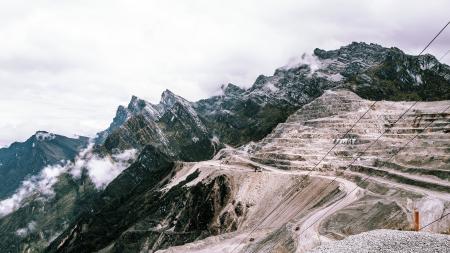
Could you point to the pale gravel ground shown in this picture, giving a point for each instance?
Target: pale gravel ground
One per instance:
(388, 241)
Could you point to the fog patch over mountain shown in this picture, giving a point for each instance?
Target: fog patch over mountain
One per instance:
(101, 171)
(40, 184)
(139, 49)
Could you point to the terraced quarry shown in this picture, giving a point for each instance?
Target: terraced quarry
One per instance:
(290, 193)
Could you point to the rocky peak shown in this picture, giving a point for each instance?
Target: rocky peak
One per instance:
(168, 99)
(44, 136)
(232, 90)
(355, 50)
(428, 61)
(121, 114)
(136, 105)
(24, 159)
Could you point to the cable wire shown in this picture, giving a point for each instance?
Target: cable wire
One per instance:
(369, 176)
(304, 177)
(443, 216)
(437, 35)
(270, 213)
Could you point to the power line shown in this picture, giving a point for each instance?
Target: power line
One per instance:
(303, 179)
(334, 179)
(443, 216)
(270, 213)
(359, 156)
(365, 150)
(437, 35)
(396, 153)
(369, 176)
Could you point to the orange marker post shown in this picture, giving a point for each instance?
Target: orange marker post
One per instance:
(416, 220)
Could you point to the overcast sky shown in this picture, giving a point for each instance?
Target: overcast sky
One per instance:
(65, 65)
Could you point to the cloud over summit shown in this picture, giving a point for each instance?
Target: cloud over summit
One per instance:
(66, 65)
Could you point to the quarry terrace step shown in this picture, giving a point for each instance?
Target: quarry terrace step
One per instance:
(439, 173)
(347, 156)
(400, 178)
(321, 136)
(342, 122)
(301, 152)
(351, 118)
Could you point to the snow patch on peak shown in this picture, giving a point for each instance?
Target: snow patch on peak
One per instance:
(336, 77)
(44, 136)
(168, 100)
(231, 89)
(28, 229)
(140, 106)
(269, 86)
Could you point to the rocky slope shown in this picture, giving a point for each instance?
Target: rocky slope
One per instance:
(239, 116)
(373, 193)
(156, 203)
(224, 199)
(370, 70)
(173, 126)
(242, 115)
(25, 159)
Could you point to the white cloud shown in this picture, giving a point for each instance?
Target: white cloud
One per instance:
(311, 60)
(66, 65)
(40, 185)
(101, 171)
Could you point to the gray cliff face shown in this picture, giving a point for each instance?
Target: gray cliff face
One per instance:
(172, 126)
(370, 70)
(242, 115)
(139, 211)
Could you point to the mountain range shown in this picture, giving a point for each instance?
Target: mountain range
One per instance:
(182, 173)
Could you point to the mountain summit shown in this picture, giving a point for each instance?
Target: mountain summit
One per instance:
(214, 166)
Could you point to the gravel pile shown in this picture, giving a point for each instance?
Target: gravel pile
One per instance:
(388, 241)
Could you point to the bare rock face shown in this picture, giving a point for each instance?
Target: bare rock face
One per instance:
(242, 115)
(172, 126)
(336, 200)
(314, 120)
(371, 71)
(142, 215)
(283, 124)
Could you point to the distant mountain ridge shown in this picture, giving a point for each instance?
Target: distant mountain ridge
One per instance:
(23, 159)
(179, 130)
(237, 117)
(241, 115)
